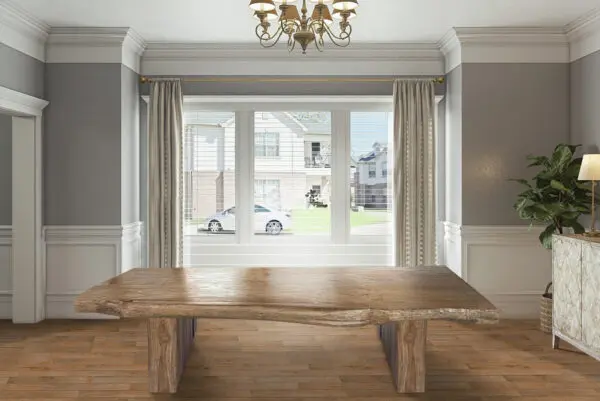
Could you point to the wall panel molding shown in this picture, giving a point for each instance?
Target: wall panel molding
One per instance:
(5, 272)
(505, 263)
(79, 257)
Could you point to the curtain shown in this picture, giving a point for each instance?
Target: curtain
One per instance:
(165, 147)
(414, 158)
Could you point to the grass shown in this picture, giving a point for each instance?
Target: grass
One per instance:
(319, 220)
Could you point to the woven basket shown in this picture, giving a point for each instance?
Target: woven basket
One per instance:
(546, 311)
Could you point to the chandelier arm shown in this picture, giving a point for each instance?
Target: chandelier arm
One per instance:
(269, 40)
(319, 42)
(343, 40)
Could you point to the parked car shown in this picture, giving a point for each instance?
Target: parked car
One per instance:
(266, 220)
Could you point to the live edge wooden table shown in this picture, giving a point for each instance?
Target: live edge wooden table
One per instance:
(398, 301)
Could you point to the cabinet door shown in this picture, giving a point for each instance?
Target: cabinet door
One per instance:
(566, 272)
(590, 316)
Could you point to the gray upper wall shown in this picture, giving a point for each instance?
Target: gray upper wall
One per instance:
(585, 103)
(453, 146)
(82, 144)
(508, 112)
(130, 146)
(5, 170)
(288, 88)
(21, 72)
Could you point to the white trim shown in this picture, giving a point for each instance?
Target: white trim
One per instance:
(251, 59)
(20, 104)
(504, 45)
(5, 272)
(95, 45)
(22, 31)
(340, 176)
(244, 176)
(584, 35)
(507, 264)
(78, 257)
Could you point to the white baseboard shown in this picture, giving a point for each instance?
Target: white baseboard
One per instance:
(505, 263)
(79, 257)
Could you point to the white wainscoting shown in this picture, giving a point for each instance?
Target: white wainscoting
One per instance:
(79, 257)
(5, 272)
(505, 263)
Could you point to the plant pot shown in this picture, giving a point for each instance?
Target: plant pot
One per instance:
(546, 311)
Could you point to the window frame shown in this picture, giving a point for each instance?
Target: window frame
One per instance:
(265, 145)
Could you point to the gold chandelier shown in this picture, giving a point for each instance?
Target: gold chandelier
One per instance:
(302, 29)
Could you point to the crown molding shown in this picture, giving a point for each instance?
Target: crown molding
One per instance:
(95, 45)
(504, 45)
(22, 31)
(251, 59)
(584, 35)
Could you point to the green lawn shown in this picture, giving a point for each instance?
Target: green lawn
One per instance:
(319, 220)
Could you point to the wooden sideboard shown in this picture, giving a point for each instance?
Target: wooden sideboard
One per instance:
(576, 281)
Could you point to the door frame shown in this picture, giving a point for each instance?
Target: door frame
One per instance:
(27, 262)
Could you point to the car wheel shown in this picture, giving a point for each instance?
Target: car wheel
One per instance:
(215, 226)
(273, 227)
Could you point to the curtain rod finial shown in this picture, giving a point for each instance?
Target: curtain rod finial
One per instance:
(144, 79)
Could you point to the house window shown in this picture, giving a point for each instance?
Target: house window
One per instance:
(372, 170)
(266, 144)
(267, 192)
(384, 170)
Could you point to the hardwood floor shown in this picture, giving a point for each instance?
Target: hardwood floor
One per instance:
(242, 360)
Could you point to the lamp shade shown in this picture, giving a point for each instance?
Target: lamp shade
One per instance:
(322, 1)
(321, 11)
(590, 168)
(337, 14)
(344, 5)
(284, 2)
(289, 13)
(271, 15)
(262, 5)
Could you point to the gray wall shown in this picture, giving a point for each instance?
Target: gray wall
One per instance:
(21, 72)
(130, 146)
(5, 170)
(82, 144)
(288, 88)
(453, 146)
(508, 112)
(585, 103)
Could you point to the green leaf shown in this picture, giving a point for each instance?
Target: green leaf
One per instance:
(558, 185)
(546, 236)
(576, 226)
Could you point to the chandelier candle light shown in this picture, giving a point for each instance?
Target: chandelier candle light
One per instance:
(302, 29)
(590, 171)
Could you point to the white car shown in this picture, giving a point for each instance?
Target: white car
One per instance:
(266, 220)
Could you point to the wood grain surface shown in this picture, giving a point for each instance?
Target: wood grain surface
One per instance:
(320, 296)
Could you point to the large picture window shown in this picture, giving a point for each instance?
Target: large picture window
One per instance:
(296, 186)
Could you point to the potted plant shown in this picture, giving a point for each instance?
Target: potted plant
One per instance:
(555, 199)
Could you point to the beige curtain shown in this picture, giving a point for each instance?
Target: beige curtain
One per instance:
(414, 198)
(165, 165)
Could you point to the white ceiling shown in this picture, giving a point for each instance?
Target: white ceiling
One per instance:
(231, 21)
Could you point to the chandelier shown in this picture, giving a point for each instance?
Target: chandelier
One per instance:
(303, 30)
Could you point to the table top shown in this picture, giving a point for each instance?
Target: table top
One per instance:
(326, 296)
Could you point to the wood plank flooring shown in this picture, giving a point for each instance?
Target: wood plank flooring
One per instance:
(242, 361)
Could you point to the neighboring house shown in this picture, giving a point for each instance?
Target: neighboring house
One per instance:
(292, 156)
(371, 189)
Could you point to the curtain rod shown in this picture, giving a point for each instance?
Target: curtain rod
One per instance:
(144, 79)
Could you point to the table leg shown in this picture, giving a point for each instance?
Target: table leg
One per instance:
(404, 346)
(169, 344)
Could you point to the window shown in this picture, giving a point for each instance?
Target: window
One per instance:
(370, 138)
(312, 186)
(372, 170)
(266, 144)
(286, 185)
(209, 173)
(267, 192)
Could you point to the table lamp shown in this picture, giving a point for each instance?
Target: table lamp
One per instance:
(590, 171)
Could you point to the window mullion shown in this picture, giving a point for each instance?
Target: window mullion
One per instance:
(244, 176)
(340, 177)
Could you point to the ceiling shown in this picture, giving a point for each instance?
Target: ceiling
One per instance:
(222, 21)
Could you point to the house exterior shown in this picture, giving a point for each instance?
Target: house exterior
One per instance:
(292, 156)
(371, 179)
